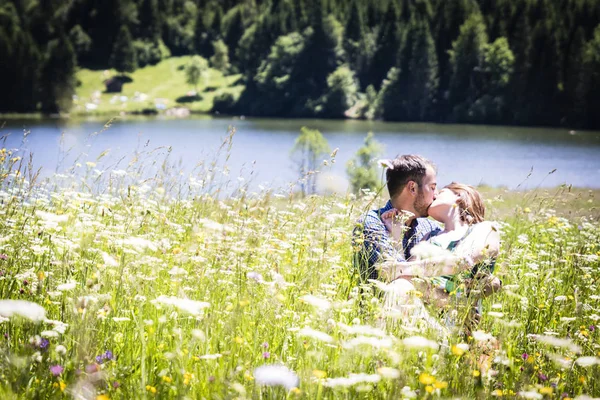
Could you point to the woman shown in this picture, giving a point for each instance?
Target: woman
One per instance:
(466, 251)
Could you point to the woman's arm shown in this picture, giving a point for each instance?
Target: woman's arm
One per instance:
(480, 245)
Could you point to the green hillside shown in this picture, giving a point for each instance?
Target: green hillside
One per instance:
(158, 87)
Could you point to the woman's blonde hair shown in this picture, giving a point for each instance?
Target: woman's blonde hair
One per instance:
(470, 203)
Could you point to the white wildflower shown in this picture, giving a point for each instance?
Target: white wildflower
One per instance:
(362, 330)
(557, 342)
(481, 336)
(587, 361)
(61, 350)
(370, 341)
(177, 271)
(121, 319)
(420, 342)
(109, 261)
(495, 314)
(276, 375)
(210, 356)
(255, 276)
(24, 308)
(314, 334)
(317, 302)
(560, 298)
(191, 306)
(388, 373)
(352, 380)
(531, 394)
(408, 393)
(65, 287)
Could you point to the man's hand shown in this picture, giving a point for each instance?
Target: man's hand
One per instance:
(395, 222)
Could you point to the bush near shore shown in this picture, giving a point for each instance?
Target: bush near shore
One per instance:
(129, 287)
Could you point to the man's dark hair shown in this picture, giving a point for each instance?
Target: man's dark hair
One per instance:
(403, 169)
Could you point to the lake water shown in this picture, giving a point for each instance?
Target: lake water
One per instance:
(496, 156)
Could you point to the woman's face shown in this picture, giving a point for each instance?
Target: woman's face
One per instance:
(443, 204)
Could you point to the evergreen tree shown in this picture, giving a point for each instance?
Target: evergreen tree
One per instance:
(521, 48)
(150, 22)
(276, 92)
(466, 59)
(203, 36)
(341, 92)
(450, 15)
(353, 35)
(123, 58)
(58, 76)
(589, 86)
(387, 47)
(574, 105)
(220, 58)
(233, 28)
(419, 73)
(82, 43)
(544, 75)
(390, 100)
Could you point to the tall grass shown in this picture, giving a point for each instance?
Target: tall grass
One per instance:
(161, 287)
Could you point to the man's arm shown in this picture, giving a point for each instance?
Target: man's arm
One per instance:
(373, 244)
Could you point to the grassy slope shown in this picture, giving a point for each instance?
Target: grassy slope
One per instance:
(166, 81)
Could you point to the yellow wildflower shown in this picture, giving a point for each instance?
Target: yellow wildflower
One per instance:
(546, 390)
(319, 374)
(457, 351)
(426, 379)
(440, 385)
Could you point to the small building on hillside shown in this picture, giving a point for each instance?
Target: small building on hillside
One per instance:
(113, 85)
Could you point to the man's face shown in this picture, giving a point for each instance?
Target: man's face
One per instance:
(426, 193)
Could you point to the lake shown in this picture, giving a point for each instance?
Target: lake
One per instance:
(260, 151)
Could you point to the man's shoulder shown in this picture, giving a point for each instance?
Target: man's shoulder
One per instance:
(373, 217)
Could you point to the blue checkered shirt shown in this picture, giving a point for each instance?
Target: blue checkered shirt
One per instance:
(372, 242)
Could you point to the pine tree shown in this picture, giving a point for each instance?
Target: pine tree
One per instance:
(466, 59)
(150, 22)
(574, 105)
(390, 100)
(450, 15)
(58, 76)
(419, 73)
(353, 35)
(589, 86)
(521, 47)
(387, 47)
(123, 58)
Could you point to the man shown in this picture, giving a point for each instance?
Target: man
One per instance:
(412, 186)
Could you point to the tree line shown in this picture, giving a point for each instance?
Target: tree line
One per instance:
(524, 62)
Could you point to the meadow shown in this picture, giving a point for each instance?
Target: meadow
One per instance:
(154, 87)
(142, 283)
